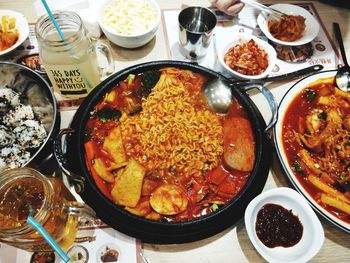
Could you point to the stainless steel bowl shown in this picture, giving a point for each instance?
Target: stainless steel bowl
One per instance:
(34, 91)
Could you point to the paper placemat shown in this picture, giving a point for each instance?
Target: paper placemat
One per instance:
(95, 240)
(323, 51)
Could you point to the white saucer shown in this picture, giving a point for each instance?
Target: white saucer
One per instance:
(313, 234)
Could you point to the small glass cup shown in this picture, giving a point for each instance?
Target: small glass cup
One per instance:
(72, 65)
(55, 208)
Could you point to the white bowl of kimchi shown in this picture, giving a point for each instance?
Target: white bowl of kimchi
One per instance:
(299, 27)
(247, 57)
(129, 23)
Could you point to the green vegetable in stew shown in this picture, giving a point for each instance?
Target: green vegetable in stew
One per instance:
(309, 95)
(322, 115)
(296, 166)
(108, 114)
(214, 207)
(131, 78)
(150, 79)
(346, 185)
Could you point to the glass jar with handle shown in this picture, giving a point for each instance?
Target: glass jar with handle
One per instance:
(24, 190)
(71, 59)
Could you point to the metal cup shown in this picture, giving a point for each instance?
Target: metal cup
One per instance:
(196, 26)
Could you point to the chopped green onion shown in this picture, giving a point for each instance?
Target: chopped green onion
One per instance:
(131, 78)
(297, 167)
(214, 207)
(107, 114)
(309, 95)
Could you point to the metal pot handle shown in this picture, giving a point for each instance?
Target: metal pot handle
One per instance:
(270, 99)
(77, 180)
(290, 75)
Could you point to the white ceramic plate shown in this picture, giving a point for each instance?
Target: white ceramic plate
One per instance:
(21, 25)
(286, 100)
(244, 38)
(312, 27)
(313, 234)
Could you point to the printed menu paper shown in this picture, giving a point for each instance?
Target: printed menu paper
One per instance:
(96, 243)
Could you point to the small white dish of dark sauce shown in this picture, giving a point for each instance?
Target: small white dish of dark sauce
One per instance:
(282, 226)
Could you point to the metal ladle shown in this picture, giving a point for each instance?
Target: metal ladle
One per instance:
(219, 95)
(342, 78)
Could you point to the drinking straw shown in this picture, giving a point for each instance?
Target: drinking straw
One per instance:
(41, 230)
(53, 19)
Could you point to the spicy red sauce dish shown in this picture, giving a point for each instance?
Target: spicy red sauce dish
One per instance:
(154, 147)
(156, 163)
(313, 144)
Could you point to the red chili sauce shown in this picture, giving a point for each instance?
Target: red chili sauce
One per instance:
(294, 116)
(278, 227)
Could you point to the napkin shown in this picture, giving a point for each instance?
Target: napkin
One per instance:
(86, 9)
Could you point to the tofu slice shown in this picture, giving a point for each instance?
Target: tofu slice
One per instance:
(113, 144)
(128, 185)
(102, 170)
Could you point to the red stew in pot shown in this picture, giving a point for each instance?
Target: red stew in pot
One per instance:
(155, 148)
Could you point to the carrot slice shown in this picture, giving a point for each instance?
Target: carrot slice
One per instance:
(101, 185)
(217, 176)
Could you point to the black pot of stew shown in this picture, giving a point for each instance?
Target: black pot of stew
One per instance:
(156, 163)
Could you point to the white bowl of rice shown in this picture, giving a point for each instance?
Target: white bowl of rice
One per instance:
(129, 23)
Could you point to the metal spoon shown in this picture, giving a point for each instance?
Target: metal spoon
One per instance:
(219, 95)
(342, 78)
